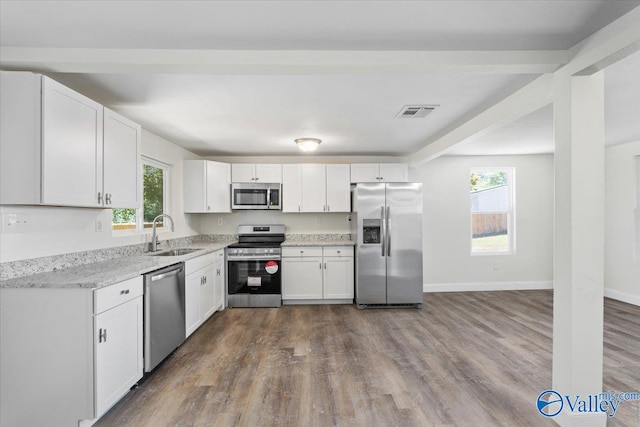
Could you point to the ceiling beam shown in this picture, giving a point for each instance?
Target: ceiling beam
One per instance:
(252, 62)
(524, 101)
(611, 44)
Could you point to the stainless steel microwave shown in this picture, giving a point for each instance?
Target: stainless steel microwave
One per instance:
(256, 196)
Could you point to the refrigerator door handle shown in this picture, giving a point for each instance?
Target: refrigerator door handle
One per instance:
(388, 231)
(383, 238)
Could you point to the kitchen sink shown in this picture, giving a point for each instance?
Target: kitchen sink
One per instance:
(176, 252)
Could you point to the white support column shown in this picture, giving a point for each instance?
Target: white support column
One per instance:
(579, 241)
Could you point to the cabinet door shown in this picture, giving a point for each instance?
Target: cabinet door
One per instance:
(71, 147)
(219, 283)
(194, 186)
(218, 187)
(207, 296)
(268, 173)
(243, 172)
(292, 188)
(118, 352)
(121, 161)
(302, 278)
(314, 188)
(394, 172)
(338, 278)
(338, 188)
(193, 282)
(364, 172)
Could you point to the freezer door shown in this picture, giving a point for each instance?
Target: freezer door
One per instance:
(368, 203)
(404, 243)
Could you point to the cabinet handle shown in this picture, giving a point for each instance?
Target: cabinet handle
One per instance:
(124, 291)
(218, 271)
(102, 335)
(298, 208)
(338, 251)
(208, 207)
(256, 178)
(320, 266)
(324, 208)
(99, 198)
(107, 198)
(325, 265)
(328, 208)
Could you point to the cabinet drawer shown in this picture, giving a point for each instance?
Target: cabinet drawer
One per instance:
(116, 294)
(289, 252)
(196, 264)
(338, 251)
(219, 255)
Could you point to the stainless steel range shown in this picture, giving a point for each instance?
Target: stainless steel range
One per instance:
(254, 267)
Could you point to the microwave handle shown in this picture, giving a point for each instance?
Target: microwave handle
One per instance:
(268, 197)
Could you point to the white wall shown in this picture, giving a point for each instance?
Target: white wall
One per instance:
(58, 230)
(622, 195)
(448, 264)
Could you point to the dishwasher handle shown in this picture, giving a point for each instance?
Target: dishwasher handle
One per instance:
(165, 275)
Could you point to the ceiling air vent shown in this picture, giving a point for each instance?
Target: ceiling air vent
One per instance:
(415, 111)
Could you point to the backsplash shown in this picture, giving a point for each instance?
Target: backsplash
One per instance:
(328, 237)
(11, 270)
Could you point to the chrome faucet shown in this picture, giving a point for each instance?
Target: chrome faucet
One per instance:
(153, 245)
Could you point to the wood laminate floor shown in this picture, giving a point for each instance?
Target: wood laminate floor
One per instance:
(465, 359)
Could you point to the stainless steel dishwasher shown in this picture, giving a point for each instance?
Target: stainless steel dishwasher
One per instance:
(164, 314)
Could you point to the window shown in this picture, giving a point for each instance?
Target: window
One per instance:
(155, 176)
(492, 211)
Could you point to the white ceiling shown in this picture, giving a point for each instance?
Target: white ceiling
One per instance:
(353, 113)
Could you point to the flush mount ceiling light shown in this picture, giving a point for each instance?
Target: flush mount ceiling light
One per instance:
(308, 144)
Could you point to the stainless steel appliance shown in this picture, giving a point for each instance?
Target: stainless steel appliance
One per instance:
(164, 314)
(254, 267)
(256, 196)
(387, 220)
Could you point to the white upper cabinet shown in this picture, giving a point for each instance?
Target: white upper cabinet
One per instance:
(121, 161)
(52, 147)
(252, 173)
(315, 188)
(71, 147)
(206, 186)
(338, 188)
(292, 188)
(379, 172)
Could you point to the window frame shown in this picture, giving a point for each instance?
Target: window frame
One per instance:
(511, 211)
(166, 176)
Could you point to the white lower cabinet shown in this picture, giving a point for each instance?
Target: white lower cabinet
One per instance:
(317, 274)
(68, 354)
(204, 289)
(119, 350)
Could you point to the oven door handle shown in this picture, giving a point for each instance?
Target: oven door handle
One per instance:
(258, 258)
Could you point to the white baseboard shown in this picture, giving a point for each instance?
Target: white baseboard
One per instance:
(486, 286)
(622, 296)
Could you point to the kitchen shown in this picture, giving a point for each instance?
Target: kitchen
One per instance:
(56, 235)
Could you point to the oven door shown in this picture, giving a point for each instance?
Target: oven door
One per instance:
(254, 276)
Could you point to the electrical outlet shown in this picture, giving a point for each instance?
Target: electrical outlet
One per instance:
(98, 225)
(496, 266)
(16, 223)
(317, 220)
(219, 221)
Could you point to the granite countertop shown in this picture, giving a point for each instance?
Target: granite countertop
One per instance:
(318, 242)
(105, 273)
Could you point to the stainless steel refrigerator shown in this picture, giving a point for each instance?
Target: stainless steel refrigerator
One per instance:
(387, 220)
